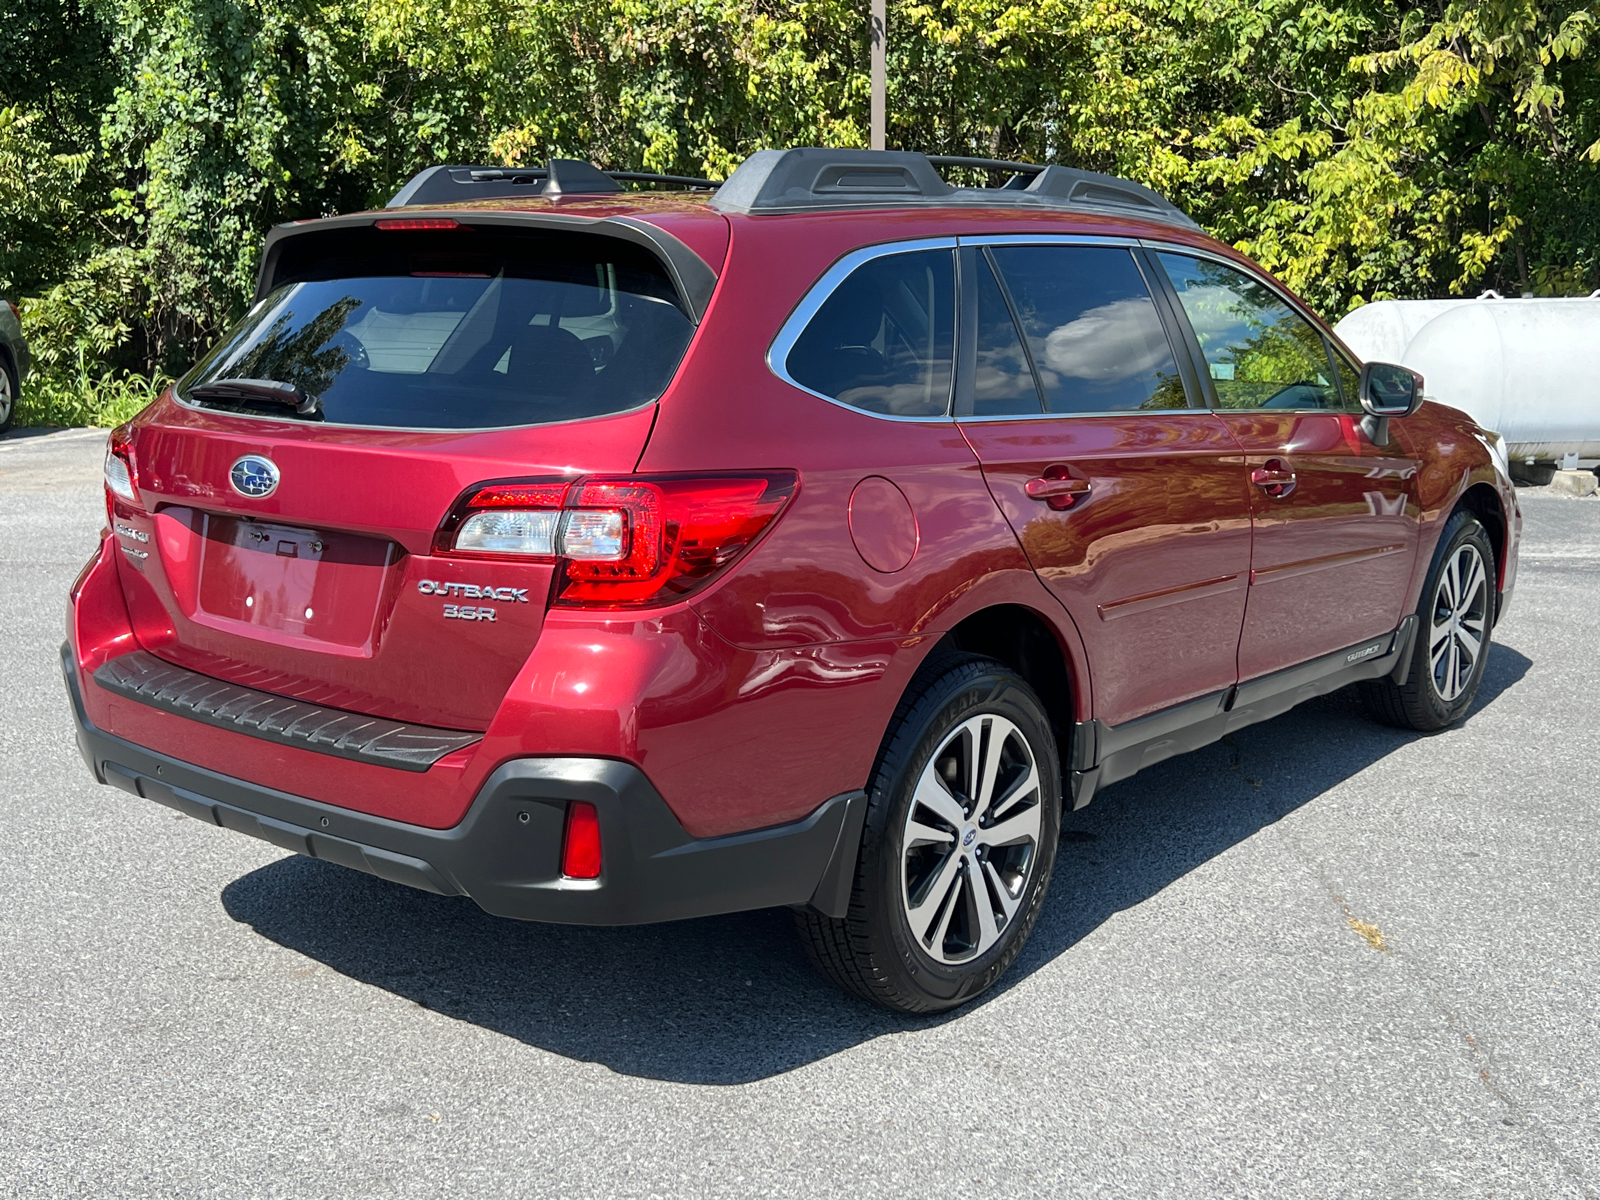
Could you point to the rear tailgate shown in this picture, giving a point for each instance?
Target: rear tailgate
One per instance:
(280, 534)
(327, 589)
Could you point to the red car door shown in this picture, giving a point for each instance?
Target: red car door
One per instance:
(1336, 521)
(1131, 505)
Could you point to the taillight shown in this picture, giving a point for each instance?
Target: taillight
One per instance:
(121, 481)
(580, 848)
(620, 542)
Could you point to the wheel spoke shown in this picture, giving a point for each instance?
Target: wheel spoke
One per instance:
(1023, 826)
(1018, 791)
(1470, 642)
(989, 769)
(1437, 636)
(933, 898)
(1439, 645)
(918, 834)
(1474, 579)
(982, 907)
(931, 795)
(936, 941)
(1008, 902)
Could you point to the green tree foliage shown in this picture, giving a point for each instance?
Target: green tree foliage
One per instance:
(1361, 150)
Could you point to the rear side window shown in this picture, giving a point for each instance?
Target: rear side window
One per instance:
(1259, 352)
(1097, 341)
(884, 339)
(452, 329)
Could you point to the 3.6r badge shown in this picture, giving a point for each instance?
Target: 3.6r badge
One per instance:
(472, 591)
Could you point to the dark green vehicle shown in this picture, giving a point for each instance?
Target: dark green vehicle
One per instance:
(13, 363)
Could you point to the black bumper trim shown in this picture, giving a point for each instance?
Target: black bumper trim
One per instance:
(143, 677)
(505, 853)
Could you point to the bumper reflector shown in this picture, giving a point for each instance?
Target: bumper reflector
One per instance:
(580, 850)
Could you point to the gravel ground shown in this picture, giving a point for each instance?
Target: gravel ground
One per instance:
(1323, 958)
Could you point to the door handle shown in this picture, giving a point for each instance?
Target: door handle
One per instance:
(1275, 479)
(1058, 493)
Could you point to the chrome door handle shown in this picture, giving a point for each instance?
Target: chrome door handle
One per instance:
(1275, 479)
(1057, 493)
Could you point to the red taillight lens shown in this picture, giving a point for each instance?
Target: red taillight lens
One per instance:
(620, 542)
(122, 483)
(580, 850)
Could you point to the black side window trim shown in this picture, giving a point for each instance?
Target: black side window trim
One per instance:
(970, 260)
(1180, 337)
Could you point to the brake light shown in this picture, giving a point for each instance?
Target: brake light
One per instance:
(580, 848)
(620, 542)
(121, 481)
(417, 223)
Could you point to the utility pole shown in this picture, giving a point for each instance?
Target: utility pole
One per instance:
(880, 75)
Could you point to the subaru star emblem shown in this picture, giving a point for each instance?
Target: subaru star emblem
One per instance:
(972, 836)
(254, 476)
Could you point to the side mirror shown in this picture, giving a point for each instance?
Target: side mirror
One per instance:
(1387, 390)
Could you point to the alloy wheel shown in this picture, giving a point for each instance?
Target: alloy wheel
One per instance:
(1460, 621)
(7, 398)
(971, 839)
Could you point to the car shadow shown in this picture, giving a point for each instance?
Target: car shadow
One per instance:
(732, 999)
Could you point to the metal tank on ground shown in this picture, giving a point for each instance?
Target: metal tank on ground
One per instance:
(1528, 369)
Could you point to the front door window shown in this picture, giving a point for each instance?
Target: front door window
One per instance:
(1259, 352)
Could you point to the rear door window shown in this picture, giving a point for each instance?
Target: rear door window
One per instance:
(452, 329)
(884, 339)
(1095, 336)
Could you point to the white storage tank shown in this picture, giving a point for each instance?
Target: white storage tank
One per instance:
(1528, 369)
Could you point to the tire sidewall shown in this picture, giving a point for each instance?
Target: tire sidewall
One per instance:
(1462, 529)
(7, 417)
(974, 689)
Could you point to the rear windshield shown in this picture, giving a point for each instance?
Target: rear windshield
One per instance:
(450, 329)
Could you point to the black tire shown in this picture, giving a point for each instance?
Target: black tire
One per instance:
(10, 393)
(958, 708)
(1430, 698)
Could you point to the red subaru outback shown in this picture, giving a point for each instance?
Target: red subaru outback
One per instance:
(616, 557)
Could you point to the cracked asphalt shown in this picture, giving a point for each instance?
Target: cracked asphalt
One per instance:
(1322, 959)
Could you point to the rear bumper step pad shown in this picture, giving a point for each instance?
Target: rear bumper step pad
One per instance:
(143, 677)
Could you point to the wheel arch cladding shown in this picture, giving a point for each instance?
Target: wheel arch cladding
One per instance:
(1483, 502)
(1024, 641)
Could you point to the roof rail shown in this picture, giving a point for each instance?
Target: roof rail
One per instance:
(564, 176)
(811, 179)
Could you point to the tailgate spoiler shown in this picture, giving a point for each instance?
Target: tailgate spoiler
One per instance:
(692, 277)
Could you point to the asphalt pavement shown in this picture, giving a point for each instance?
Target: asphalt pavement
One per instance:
(1322, 959)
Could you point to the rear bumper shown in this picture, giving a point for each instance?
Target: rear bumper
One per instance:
(505, 853)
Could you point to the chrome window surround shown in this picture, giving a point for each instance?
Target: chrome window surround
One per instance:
(817, 296)
(1159, 247)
